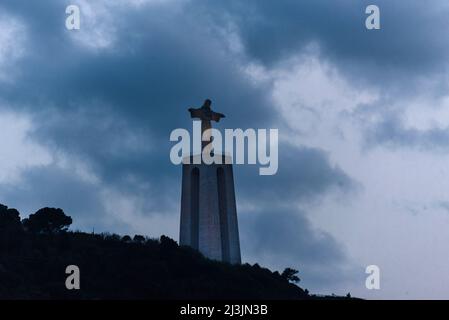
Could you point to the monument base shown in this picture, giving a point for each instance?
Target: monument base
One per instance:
(208, 210)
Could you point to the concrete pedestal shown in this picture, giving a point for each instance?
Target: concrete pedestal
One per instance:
(208, 211)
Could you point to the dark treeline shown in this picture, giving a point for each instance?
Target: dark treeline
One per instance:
(35, 252)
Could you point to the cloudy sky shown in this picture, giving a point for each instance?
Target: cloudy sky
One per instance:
(363, 118)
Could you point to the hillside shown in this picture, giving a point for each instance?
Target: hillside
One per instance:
(35, 252)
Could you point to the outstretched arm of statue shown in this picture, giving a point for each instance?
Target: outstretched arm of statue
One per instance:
(194, 113)
(217, 116)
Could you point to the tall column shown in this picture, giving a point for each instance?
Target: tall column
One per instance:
(208, 212)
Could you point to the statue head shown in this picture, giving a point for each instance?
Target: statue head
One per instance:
(207, 103)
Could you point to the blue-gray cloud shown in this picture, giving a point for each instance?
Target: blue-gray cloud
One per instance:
(392, 133)
(272, 31)
(114, 109)
(303, 175)
(285, 238)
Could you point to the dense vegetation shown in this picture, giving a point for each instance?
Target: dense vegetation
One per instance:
(35, 252)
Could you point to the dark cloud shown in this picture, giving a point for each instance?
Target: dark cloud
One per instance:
(272, 31)
(303, 175)
(114, 108)
(389, 128)
(391, 132)
(404, 58)
(152, 73)
(275, 231)
(145, 82)
(56, 187)
(285, 238)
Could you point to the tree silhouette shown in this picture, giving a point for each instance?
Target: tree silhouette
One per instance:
(47, 221)
(10, 229)
(289, 274)
(9, 219)
(139, 238)
(167, 242)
